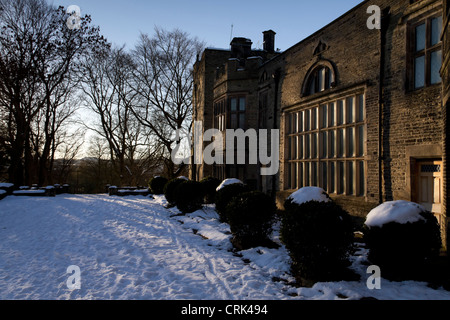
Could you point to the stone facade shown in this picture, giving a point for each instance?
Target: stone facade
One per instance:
(358, 109)
(445, 74)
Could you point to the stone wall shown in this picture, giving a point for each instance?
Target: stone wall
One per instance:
(376, 62)
(445, 74)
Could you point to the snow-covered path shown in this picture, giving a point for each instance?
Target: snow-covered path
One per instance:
(126, 248)
(133, 248)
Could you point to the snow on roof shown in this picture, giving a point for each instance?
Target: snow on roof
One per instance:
(6, 185)
(28, 191)
(2, 191)
(395, 211)
(217, 49)
(227, 182)
(307, 194)
(183, 178)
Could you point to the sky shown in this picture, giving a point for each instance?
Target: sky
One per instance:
(211, 21)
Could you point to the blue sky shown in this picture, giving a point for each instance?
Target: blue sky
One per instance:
(210, 20)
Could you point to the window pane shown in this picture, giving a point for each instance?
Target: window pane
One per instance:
(307, 182)
(341, 145)
(419, 72)
(300, 175)
(300, 147)
(314, 144)
(293, 175)
(307, 120)
(341, 177)
(340, 112)
(360, 108)
(233, 104)
(321, 79)
(307, 146)
(350, 109)
(324, 153)
(324, 166)
(300, 122)
(332, 114)
(293, 148)
(242, 120)
(293, 122)
(313, 118)
(314, 174)
(324, 116)
(436, 29)
(312, 85)
(288, 123)
(361, 179)
(351, 174)
(233, 121)
(351, 141)
(360, 141)
(332, 143)
(420, 37)
(332, 188)
(436, 62)
(242, 104)
(329, 79)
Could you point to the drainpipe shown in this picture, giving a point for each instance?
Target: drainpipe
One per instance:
(276, 76)
(384, 26)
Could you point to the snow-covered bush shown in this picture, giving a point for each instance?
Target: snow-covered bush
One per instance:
(169, 190)
(318, 234)
(225, 194)
(401, 236)
(228, 182)
(8, 188)
(209, 186)
(157, 185)
(250, 216)
(189, 196)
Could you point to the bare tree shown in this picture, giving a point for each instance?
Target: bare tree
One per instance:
(38, 56)
(105, 85)
(164, 84)
(67, 146)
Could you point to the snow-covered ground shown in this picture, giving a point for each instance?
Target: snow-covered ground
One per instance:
(133, 248)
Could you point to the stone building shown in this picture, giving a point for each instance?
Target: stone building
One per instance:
(445, 75)
(226, 96)
(359, 109)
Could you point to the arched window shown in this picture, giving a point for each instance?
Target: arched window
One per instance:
(321, 77)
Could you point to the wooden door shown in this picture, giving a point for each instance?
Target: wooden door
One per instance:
(429, 187)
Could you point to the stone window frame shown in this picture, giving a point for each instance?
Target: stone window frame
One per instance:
(310, 161)
(220, 114)
(240, 112)
(412, 54)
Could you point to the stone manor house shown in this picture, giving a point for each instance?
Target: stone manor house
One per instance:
(361, 112)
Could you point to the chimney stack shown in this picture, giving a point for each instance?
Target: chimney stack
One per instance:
(269, 41)
(241, 48)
